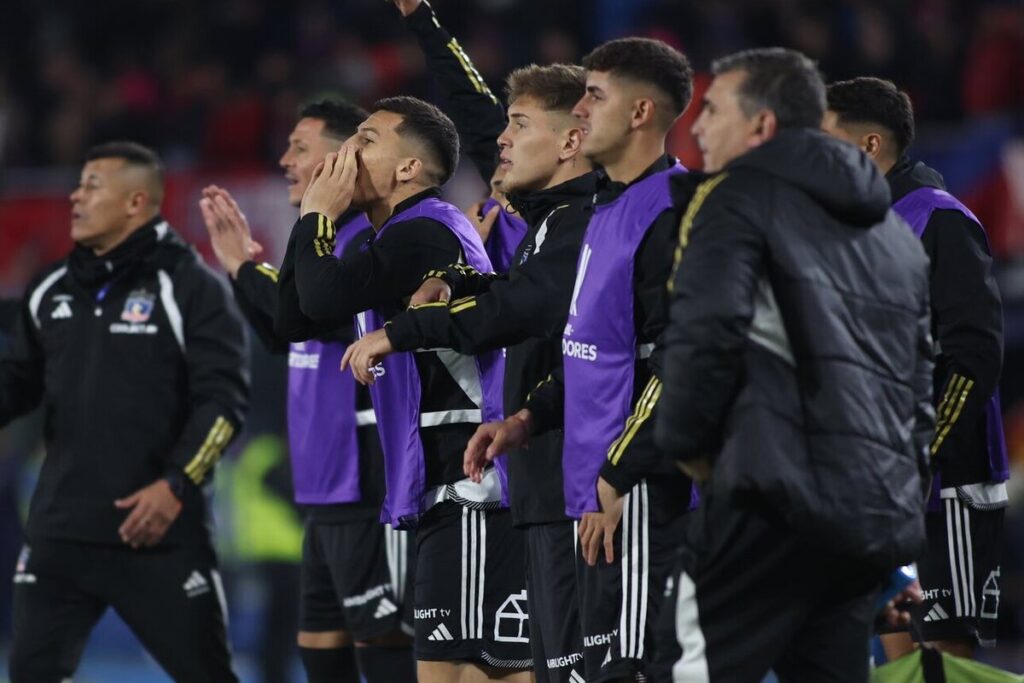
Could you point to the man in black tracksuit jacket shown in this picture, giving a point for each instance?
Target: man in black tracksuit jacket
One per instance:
(636, 88)
(137, 354)
(797, 382)
(352, 583)
(524, 311)
(968, 451)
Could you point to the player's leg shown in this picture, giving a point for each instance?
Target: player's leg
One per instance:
(53, 613)
(555, 637)
(505, 650)
(833, 643)
(173, 600)
(367, 567)
(456, 585)
(959, 576)
(741, 596)
(325, 646)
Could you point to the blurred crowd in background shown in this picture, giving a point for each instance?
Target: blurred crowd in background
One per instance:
(214, 86)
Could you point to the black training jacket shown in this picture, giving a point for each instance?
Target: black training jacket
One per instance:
(967, 325)
(798, 356)
(139, 361)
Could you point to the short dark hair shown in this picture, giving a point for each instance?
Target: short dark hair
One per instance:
(874, 100)
(133, 154)
(428, 125)
(557, 87)
(784, 81)
(340, 118)
(648, 61)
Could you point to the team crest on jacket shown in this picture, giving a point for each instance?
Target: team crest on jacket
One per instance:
(138, 307)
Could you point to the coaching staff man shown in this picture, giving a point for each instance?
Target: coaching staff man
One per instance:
(137, 355)
(798, 378)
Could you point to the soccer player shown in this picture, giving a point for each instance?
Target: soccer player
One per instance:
(636, 89)
(551, 184)
(960, 571)
(797, 383)
(479, 117)
(137, 355)
(353, 581)
(470, 618)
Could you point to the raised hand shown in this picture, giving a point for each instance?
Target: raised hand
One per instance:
(333, 184)
(230, 237)
(483, 225)
(407, 7)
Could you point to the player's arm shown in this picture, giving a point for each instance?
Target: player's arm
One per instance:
(21, 367)
(711, 309)
(217, 362)
(968, 323)
(254, 283)
(331, 289)
(532, 301)
(255, 289)
(478, 115)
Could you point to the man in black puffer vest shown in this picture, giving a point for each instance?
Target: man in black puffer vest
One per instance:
(797, 385)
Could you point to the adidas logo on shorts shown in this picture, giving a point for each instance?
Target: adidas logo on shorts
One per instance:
(936, 613)
(575, 677)
(384, 608)
(196, 585)
(441, 633)
(62, 311)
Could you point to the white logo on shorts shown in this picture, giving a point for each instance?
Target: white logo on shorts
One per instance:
(936, 613)
(511, 619)
(196, 585)
(441, 633)
(384, 608)
(990, 596)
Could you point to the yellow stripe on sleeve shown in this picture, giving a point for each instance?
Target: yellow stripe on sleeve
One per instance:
(465, 305)
(958, 405)
(268, 270)
(216, 450)
(197, 460)
(641, 413)
(686, 225)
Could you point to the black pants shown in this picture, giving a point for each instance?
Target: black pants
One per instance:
(171, 598)
(753, 597)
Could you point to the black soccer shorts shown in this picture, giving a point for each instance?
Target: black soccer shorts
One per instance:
(470, 599)
(354, 578)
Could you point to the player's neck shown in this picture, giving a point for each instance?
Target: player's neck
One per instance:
(569, 170)
(118, 239)
(381, 210)
(635, 157)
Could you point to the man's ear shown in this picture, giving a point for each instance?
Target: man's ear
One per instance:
(766, 127)
(408, 169)
(643, 112)
(572, 140)
(872, 145)
(138, 201)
